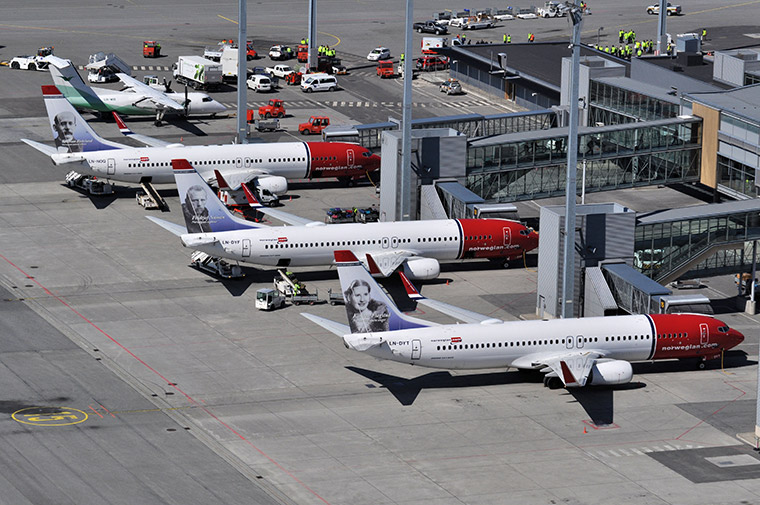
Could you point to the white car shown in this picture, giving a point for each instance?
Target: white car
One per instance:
(379, 53)
(280, 71)
(279, 52)
(503, 17)
(259, 83)
(458, 22)
(527, 15)
(29, 63)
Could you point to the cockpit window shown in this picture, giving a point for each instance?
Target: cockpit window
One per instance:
(723, 329)
(366, 154)
(524, 232)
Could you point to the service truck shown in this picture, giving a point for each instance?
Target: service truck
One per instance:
(430, 44)
(198, 72)
(229, 61)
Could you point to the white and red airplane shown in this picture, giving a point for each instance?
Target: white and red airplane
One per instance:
(417, 245)
(571, 352)
(271, 164)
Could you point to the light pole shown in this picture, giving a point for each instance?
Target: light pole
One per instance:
(568, 265)
(598, 32)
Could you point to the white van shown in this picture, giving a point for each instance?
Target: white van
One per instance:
(319, 82)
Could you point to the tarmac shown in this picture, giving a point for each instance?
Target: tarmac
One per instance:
(132, 377)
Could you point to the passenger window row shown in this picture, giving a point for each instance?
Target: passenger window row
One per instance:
(295, 245)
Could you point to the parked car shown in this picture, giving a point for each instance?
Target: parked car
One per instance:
(379, 53)
(280, 52)
(671, 10)
(430, 27)
(259, 83)
(451, 87)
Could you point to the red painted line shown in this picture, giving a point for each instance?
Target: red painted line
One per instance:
(168, 382)
(716, 411)
(98, 413)
(106, 410)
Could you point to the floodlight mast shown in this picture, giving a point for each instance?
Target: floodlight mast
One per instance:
(575, 14)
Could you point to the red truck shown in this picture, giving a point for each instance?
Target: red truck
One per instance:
(275, 108)
(385, 69)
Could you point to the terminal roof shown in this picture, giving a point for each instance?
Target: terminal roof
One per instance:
(740, 101)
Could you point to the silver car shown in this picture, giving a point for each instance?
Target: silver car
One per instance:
(451, 87)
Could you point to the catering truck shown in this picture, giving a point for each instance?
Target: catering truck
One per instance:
(198, 72)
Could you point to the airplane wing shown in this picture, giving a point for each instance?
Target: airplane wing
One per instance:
(331, 326)
(148, 141)
(174, 228)
(572, 367)
(151, 94)
(385, 263)
(283, 216)
(465, 315)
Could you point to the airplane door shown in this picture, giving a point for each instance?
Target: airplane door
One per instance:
(110, 166)
(246, 247)
(350, 156)
(416, 349)
(507, 236)
(704, 334)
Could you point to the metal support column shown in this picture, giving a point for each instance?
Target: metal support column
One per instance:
(662, 26)
(312, 63)
(406, 121)
(568, 265)
(242, 132)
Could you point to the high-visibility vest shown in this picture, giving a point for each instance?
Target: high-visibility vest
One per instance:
(509, 39)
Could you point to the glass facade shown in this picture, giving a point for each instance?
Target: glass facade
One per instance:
(737, 176)
(628, 104)
(643, 154)
(660, 248)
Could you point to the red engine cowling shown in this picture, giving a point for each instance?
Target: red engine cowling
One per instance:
(610, 373)
(422, 269)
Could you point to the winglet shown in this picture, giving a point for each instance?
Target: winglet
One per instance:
(411, 291)
(373, 268)
(567, 375)
(345, 257)
(252, 200)
(220, 180)
(123, 128)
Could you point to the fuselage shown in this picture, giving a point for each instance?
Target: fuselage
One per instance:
(315, 245)
(525, 344)
(292, 160)
(137, 104)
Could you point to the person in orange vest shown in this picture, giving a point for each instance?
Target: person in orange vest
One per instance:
(531, 37)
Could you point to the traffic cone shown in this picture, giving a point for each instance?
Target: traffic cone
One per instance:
(181, 139)
(447, 282)
(584, 429)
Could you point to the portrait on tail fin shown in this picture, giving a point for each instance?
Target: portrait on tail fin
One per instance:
(365, 314)
(195, 211)
(64, 126)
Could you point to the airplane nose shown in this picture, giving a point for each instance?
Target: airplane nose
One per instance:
(735, 337)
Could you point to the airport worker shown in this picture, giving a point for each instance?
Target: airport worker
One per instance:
(622, 35)
(704, 33)
(504, 38)
(509, 38)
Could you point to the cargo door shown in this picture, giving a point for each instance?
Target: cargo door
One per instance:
(246, 248)
(111, 166)
(416, 349)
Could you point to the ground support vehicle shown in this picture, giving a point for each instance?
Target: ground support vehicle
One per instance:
(91, 185)
(275, 108)
(214, 53)
(268, 299)
(335, 298)
(104, 67)
(259, 83)
(478, 23)
(314, 125)
(367, 215)
(431, 63)
(527, 13)
(430, 27)
(305, 298)
(294, 79)
(198, 72)
(268, 125)
(216, 266)
(151, 49)
(302, 53)
(385, 69)
(36, 62)
(294, 290)
(280, 53)
(145, 201)
(339, 215)
(280, 71)
(430, 44)
(551, 9)
(671, 10)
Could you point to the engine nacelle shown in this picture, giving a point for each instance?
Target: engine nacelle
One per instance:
(422, 269)
(275, 184)
(610, 373)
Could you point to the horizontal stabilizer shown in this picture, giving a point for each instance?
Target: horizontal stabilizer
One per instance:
(44, 149)
(143, 139)
(280, 215)
(331, 326)
(176, 229)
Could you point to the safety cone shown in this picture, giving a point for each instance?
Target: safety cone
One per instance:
(447, 282)
(584, 430)
(291, 198)
(181, 139)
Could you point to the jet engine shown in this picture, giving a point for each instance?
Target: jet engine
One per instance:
(610, 373)
(422, 268)
(275, 184)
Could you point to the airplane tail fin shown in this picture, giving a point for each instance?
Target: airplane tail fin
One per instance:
(368, 308)
(204, 212)
(70, 83)
(71, 133)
